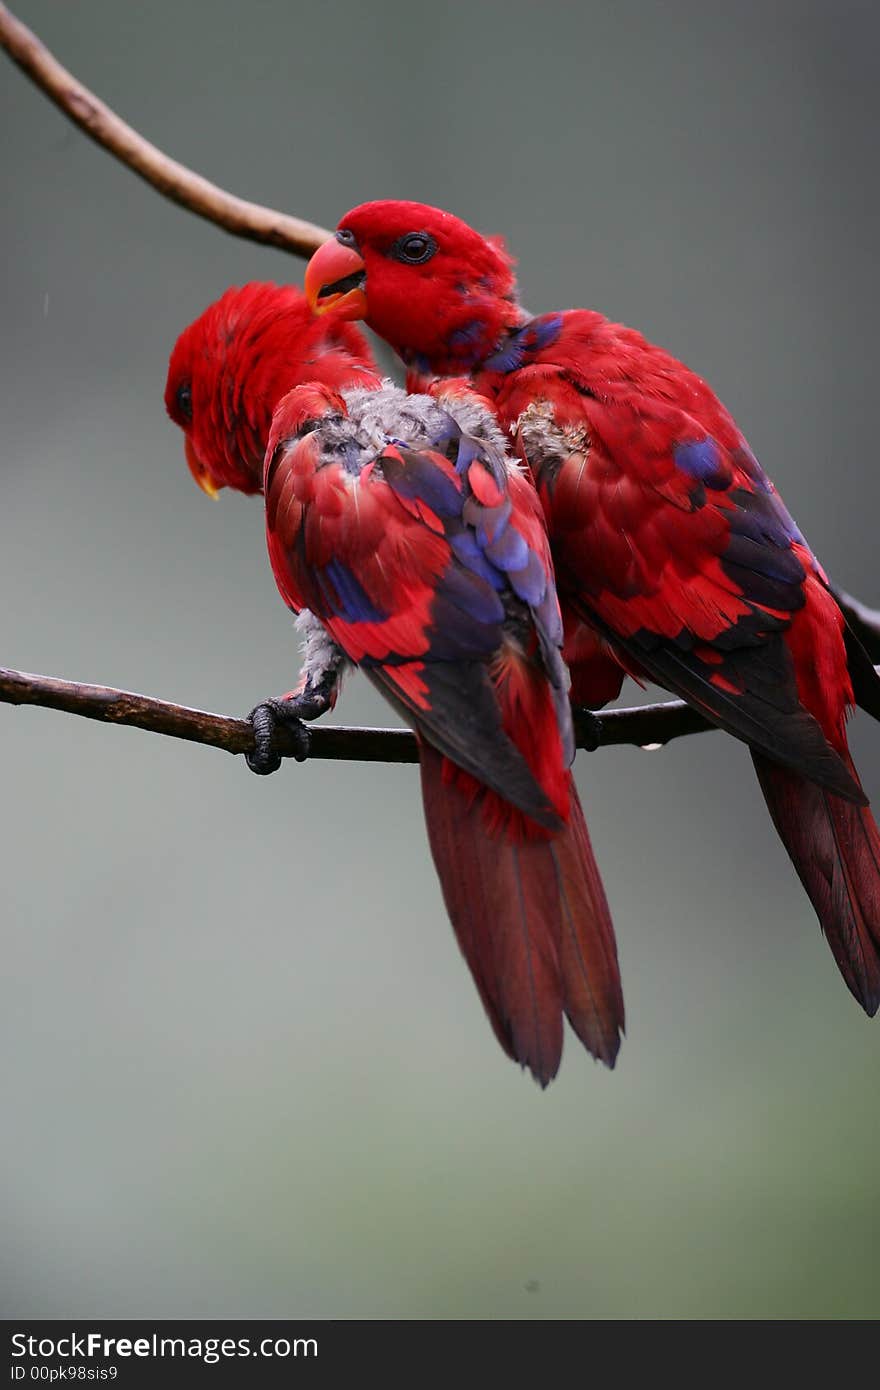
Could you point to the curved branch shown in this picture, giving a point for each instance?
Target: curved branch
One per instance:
(171, 179)
(649, 726)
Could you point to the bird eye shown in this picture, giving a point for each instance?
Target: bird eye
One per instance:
(184, 400)
(414, 249)
(345, 237)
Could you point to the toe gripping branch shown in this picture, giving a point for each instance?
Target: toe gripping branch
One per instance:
(315, 695)
(588, 729)
(266, 718)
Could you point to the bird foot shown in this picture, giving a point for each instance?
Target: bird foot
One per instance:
(265, 719)
(588, 729)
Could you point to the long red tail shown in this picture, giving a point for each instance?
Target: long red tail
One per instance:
(532, 922)
(835, 847)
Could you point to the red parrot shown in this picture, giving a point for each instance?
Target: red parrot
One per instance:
(413, 546)
(675, 557)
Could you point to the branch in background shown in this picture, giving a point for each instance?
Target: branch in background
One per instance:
(648, 726)
(173, 180)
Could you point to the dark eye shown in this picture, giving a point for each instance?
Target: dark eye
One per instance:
(414, 249)
(345, 237)
(185, 400)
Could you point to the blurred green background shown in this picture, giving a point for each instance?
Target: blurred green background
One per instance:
(244, 1071)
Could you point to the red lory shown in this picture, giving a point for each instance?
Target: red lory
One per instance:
(417, 549)
(676, 559)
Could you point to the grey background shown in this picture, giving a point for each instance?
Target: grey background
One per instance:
(244, 1071)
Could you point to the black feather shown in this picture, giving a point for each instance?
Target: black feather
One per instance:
(464, 723)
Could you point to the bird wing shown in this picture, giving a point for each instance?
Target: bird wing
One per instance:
(671, 540)
(431, 571)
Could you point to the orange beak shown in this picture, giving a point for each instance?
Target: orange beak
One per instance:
(199, 472)
(335, 279)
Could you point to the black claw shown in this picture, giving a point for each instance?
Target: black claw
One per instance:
(263, 759)
(265, 719)
(588, 727)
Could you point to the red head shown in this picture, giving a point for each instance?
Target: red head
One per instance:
(425, 281)
(230, 368)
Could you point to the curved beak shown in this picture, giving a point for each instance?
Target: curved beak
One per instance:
(199, 472)
(335, 279)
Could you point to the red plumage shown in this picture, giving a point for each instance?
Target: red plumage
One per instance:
(671, 546)
(371, 551)
(532, 921)
(231, 366)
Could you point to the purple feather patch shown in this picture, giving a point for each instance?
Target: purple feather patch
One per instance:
(346, 596)
(704, 461)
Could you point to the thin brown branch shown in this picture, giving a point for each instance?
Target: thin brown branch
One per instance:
(646, 726)
(171, 179)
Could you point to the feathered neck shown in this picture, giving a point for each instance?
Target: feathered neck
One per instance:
(473, 353)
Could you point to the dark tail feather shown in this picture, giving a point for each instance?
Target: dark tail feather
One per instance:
(835, 847)
(533, 924)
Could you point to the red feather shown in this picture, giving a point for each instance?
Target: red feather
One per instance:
(532, 922)
(232, 365)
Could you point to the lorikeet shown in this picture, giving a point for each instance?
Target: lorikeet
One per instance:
(675, 557)
(419, 551)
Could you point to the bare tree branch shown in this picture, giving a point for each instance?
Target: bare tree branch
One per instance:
(173, 180)
(650, 725)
